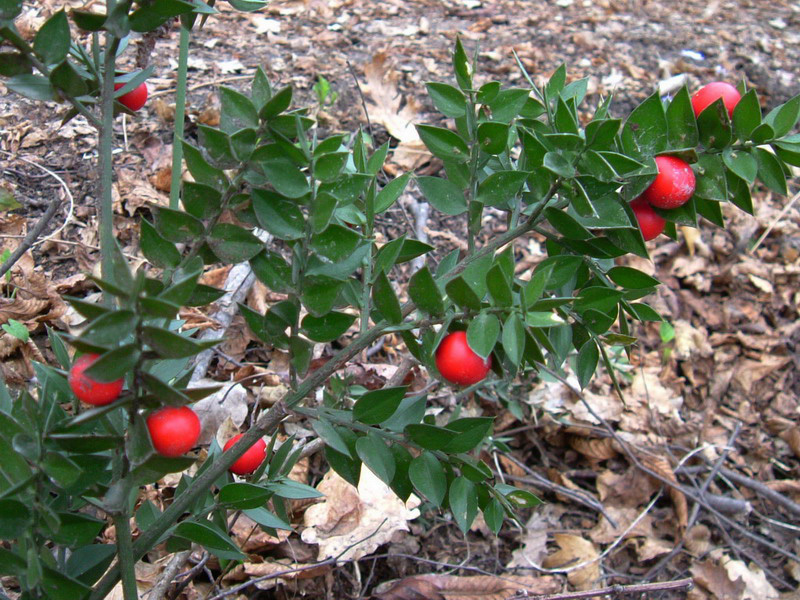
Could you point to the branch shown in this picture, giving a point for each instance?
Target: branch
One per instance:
(615, 590)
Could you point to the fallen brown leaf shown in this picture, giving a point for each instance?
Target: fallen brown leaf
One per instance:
(573, 551)
(452, 587)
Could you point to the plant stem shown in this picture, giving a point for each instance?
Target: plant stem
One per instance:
(105, 156)
(618, 590)
(180, 112)
(126, 560)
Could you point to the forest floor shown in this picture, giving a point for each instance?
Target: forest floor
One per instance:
(709, 404)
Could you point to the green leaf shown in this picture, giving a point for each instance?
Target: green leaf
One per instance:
(443, 195)
(462, 294)
(216, 146)
(331, 436)
(178, 226)
(647, 124)
(493, 137)
(31, 86)
(631, 278)
(327, 328)
(87, 20)
(587, 363)
(153, 16)
(411, 410)
(267, 519)
(335, 243)
(714, 126)
(425, 293)
(463, 502)
(210, 538)
(233, 244)
(746, 115)
(110, 328)
(378, 406)
(461, 67)
(471, 432)
(276, 105)
(783, 118)
(52, 40)
(443, 143)
(508, 104)
(770, 171)
(272, 270)
(482, 333)
(385, 299)
(373, 452)
(558, 165)
(390, 193)
(172, 345)
(411, 249)
(202, 171)
(61, 469)
(741, 163)
(237, 111)
(513, 338)
(66, 78)
(430, 437)
(15, 518)
(500, 188)
(681, 121)
(156, 249)
(114, 364)
(348, 468)
(293, 490)
(278, 215)
(447, 99)
(566, 225)
(427, 475)
(542, 319)
(243, 495)
(201, 201)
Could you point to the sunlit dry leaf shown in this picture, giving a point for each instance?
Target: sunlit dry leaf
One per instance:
(597, 449)
(714, 578)
(534, 538)
(229, 402)
(574, 550)
(756, 586)
(353, 522)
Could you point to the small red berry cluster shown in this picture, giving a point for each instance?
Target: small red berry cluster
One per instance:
(174, 430)
(675, 182)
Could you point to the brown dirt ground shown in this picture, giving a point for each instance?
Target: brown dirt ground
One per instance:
(735, 356)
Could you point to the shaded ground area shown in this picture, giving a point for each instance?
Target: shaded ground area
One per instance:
(717, 392)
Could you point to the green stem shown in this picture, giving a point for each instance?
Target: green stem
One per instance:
(125, 556)
(180, 111)
(105, 156)
(10, 34)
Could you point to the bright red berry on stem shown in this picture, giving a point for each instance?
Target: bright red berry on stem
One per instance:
(674, 184)
(708, 94)
(650, 222)
(88, 389)
(134, 99)
(457, 363)
(251, 459)
(173, 430)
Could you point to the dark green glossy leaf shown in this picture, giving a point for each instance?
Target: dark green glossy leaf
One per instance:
(500, 188)
(443, 194)
(52, 40)
(374, 453)
(493, 137)
(210, 538)
(378, 406)
(482, 333)
(385, 299)
(328, 327)
(172, 345)
(443, 143)
(278, 215)
(428, 477)
(463, 499)
(233, 244)
(425, 293)
(156, 249)
(631, 278)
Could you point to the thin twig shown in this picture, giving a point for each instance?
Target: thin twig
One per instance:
(29, 239)
(363, 99)
(616, 590)
(762, 489)
(774, 222)
(176, 562)
(539, 481)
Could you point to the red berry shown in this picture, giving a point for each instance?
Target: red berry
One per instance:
(173, 430)
(650, 222)
(251, 459)
(89, 390)
(674, 184)
(457, 363)
(134, 99)
(708, 94)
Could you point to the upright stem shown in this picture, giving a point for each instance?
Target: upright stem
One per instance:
(106, 160)
(125, 556)
(180, 111)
